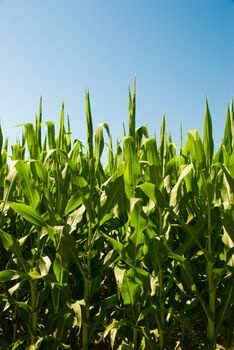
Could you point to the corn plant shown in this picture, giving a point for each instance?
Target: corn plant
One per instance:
(132, 253)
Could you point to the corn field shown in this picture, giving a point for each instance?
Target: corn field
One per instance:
(134, 254)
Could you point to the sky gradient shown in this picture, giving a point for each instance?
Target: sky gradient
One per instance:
(179, 51)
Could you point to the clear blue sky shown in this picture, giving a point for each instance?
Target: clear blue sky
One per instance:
(180, 51)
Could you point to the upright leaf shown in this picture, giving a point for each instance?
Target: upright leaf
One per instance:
(132, 111)
(25, 174)
(136, 243)
(51, 134)
(208, 137)
(228, 138)
(163, 142)
(62, 136)
(195, 146)
(132, 167)
(38, 123)
(89, 124)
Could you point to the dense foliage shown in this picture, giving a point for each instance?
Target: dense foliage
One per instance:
(137, 254)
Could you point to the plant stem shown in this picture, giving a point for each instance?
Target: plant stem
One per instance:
(161, 331)
(135, 336)
(134, 331)
(87, 293)
(15, 323)
(33, 289)
(212, 291)
(161, 298)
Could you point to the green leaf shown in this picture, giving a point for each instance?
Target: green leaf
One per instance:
(208, 137)
(155, 167)
(118, 247)
(196, 149)
(163, 143)
(58, 268)
(115, 193)
(228, 223)
(132, 166)
(89, 124)
(76, 217)
(44, 265)
(32, 141)
(149, 189)
(25, 173)
(10, 243)
(41, 170)
(132, 111)
(227, 174)
(18, 343)
(226, 302)
(10, 275)
(112, 330)
(28, 213)
(228, 133)
(74, 201)
(154, 194)
(69, 246)
(34, 275)
(38, 123)
(99, 140)
(1, 142)
(37, 345)
(157, 251)
(130, 289)
(174, 192)
(191, 230)
(62, 137)
(136, 243)
(77, 309)
(51, 135)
